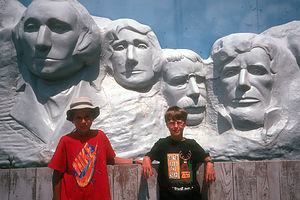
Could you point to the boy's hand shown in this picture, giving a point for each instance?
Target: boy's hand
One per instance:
(146, 167)
(210, 175)
(56, 184)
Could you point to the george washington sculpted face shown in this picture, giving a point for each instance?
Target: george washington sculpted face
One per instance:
(48, 38)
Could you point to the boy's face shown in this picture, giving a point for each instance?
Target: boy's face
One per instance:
(83, 119)
(176, 128)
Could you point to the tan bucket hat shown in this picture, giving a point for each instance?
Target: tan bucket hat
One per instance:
(82, 103)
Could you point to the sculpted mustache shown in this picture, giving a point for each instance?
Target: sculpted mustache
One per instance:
(188, 102)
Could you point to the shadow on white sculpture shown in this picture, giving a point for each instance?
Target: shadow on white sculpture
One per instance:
(58, 50)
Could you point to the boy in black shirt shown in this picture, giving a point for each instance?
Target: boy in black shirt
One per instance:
(178, 158)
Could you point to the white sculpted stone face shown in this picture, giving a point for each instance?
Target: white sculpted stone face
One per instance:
(132, 54)
(49, 39)
(132, 60)
(58, 51)
(247, 85)
(183, 85)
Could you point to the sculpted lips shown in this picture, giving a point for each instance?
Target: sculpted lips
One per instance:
(130, 72)
(195, 110)
(246, 100)
(45, 59)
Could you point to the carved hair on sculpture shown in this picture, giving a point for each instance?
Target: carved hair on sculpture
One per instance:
(134, 54)
(183, 83)
(289, 34)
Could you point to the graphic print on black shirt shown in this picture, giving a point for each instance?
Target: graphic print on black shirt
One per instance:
(178, 165)
(180, 170)
(185, 167)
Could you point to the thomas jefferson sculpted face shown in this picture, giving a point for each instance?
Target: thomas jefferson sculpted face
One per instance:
(49, 38)
(132, 59)
(135, 54)
(183, 84)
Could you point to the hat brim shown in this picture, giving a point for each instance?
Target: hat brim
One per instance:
(95, 111)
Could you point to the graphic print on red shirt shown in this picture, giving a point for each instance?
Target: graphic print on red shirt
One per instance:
(84, 164)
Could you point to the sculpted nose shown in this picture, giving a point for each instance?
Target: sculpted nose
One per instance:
(243, 82)
(131, 56)
(43, 41)
(193, 90)
(130, 52)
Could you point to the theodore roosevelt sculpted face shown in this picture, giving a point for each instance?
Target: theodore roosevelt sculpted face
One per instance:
(183, 83)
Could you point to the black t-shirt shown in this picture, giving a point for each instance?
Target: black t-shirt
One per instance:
(177, 168)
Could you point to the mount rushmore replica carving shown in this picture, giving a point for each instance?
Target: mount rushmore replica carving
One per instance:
(242, 101)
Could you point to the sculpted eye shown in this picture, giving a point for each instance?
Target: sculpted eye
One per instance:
(31, 26)
(178, 81)
(200, 79)
(257, 70)
(59, 27)
(119, 47)
(142, 46)
(229, 72)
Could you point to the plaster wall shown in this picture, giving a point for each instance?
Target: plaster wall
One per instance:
(33, 103)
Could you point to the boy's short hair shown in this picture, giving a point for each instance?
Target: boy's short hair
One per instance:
(175, 113)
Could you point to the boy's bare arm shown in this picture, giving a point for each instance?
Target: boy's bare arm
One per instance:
(210, 175)
(56, 184)
(118, 160)
(147, 167)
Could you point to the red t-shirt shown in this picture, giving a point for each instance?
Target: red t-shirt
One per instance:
(83, 161)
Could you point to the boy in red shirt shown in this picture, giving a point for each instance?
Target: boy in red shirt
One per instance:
(81, 157)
